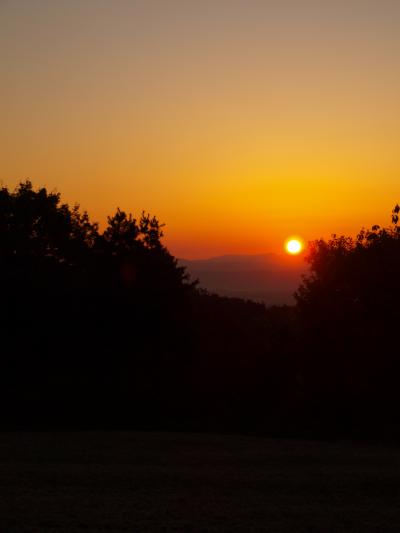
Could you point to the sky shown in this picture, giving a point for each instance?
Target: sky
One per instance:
(237, 123)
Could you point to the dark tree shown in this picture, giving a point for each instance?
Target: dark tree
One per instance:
(89, 319)
(349, 309)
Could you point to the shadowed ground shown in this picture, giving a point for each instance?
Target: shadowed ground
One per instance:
(128, 481)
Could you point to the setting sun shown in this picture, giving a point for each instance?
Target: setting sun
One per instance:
(293, 246)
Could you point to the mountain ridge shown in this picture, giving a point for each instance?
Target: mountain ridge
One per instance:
(269, 278)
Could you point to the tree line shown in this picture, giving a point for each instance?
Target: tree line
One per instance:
(104, 329)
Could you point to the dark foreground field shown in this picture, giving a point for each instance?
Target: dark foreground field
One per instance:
(138, 482)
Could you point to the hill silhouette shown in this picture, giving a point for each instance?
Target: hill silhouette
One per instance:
(268, 278)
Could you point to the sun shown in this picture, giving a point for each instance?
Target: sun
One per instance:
(293, 246)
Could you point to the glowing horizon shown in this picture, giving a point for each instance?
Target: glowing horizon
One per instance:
(232, 122)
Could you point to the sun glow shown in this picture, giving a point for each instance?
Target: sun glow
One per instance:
(293, 246)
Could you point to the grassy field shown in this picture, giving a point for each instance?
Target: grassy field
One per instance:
(140, 482)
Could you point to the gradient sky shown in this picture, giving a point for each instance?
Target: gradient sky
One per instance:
(237, 123)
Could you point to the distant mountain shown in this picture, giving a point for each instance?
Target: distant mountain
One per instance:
(270, 278)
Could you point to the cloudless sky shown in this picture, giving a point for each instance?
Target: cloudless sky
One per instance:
(236, 122)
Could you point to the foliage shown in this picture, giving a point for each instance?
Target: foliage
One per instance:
(103, 328)
(347, 273)
(83, 310)
(349, 310)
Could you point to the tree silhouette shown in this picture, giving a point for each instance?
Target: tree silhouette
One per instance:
(349, 309)
(85, 314)
(103, 328)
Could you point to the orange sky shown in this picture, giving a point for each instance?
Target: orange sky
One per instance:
(237, 123)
